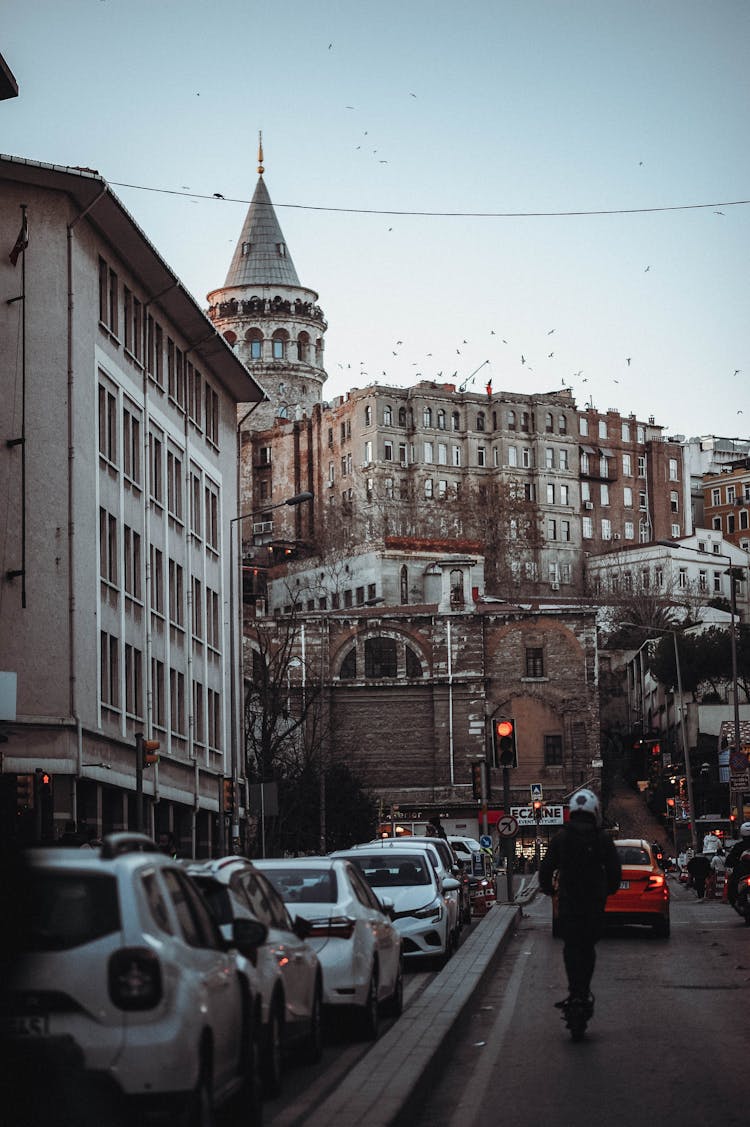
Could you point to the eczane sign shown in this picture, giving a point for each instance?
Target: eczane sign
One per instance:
(549, 816)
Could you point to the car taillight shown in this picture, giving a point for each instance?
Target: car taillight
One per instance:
(655, 882)
(135, 979)
(334, 927)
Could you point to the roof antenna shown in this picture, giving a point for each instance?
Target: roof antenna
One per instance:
(261, 170)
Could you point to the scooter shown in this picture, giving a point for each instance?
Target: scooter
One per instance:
(576, 1013)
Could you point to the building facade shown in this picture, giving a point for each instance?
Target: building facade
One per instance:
(726, 501)
(121, 481)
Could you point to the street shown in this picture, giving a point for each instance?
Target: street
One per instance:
(669, 1036)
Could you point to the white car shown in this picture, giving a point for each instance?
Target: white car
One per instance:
(126, 992)
(421, 899)
(287, 969)
(446, 868)
(357, 944)
(464, 847)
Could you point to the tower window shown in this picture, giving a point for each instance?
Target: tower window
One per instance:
(246, 248)
(281, 248)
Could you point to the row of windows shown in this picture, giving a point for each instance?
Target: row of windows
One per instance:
(167, 484)
(185, 385)
(204, 601)
(627, 430)
(733, 494)
(281, 346)
(381, 657)
(730, 522)
(516, 457)
(125, 687)
(513, 420)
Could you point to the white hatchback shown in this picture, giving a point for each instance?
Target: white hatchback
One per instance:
(350, 930)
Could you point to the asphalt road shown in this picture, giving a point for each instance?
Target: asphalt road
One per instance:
(668, 1040)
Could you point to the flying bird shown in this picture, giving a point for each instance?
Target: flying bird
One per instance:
(718, 213)
(647, 270)
(549, 334)
(550, 355)
(218, 196)
(627, 360)
(737, 371)
(412, 95)
(492, 332)
(523, 359)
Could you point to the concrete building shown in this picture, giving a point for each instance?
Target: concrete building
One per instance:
(726, 500)
(119, 469)
(708, 455)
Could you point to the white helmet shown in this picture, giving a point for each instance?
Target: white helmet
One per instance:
(745, 829)
(585, 802)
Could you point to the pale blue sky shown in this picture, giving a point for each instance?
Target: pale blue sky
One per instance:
(504, 107)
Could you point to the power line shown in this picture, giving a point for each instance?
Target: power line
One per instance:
(446, 214)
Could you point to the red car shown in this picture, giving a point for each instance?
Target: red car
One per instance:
(643, 895)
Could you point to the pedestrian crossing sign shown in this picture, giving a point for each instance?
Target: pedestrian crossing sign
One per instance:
(536, 792)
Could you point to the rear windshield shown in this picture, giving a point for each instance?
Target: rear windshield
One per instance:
(394, 869)
(306, 886)
(633, 855)
(71, 909)
(216, 896)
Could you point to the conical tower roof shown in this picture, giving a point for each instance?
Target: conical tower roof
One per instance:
(261, 257)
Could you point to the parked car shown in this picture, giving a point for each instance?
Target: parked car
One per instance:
(643, 895)
(446, 865)
(358, 946)
(126, 999)
(464, 847)
(287, 969)
(421, 906)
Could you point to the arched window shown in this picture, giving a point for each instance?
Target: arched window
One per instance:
(480, 420)
(402, 416)
(230, 337)
(368, 415)
(404, 581)
(456, 421)
(387, 416)
(380, 657)
(549, 424)
(303, 346)
(562, 426)
(525, 420)
(278, 344)
(457, 587)
(413, 664)
(318, 350)
(441, 419)
(427, 417)
(254, 337)
(348, 671)
(510, 419)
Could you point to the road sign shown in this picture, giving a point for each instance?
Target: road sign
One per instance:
(507, 826)
(536, 791)
(485, 841)
(551, 815)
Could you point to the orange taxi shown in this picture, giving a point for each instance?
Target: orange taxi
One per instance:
(643, 895)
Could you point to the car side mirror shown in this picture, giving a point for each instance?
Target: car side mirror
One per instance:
(387, 905)
(450, 884)
(248, 935)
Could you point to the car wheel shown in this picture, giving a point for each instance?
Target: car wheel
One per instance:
(272, 1050)
(312, 1049)
(370, 1013)
(661, 927)
(395, 1004)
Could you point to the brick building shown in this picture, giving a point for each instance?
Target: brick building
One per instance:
(726, 502)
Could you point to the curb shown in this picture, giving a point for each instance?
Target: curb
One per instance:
(382, 1088)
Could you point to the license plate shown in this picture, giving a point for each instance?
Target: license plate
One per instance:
(35, 1026)
(624, 884)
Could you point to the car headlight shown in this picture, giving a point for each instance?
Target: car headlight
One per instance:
(433, 911)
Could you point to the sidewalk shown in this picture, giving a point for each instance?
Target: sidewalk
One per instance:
(382, 1089)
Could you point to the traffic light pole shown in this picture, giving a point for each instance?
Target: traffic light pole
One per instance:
(139, 782)
(510, 842)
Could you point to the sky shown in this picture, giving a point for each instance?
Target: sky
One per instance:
(543, 193)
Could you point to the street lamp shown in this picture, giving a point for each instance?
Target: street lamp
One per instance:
(237, 663)
(685, 742)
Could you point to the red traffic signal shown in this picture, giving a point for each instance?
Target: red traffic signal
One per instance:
(504, 741)
(147, 751)
(229, 796)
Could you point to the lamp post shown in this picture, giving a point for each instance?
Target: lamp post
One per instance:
(236, 652)
(683, 735)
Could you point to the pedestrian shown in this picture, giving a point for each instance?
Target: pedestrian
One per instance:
(699, 868)
(584, 865)
(718, 868)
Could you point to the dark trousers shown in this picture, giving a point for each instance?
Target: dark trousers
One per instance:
(580, 931)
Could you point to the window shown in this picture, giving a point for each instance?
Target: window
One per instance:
(348, 671)
(176, 594)
(132, 553)
(131, 445)
(402, 416)
(109, 649)
(427, 416)
(584, 463)
(675, 531)
(455, 421)
(510, 420)
(157, 688)
(107, 425)
(673, 469)
(404, 585)
(703, 580)
(254, 337)
(213, 713)
(428, 488)
(194, 394)
(682, 578)
(525, 420)
(107, 547)
(565, 530)
(380, 657)
(368, 456)
(177, 701)
(553, 751)
(212, 517)
(456, 455)
(564, 494)
(513, 456)
(627, 497)
(549, 458)
(108, 297)
(213, 637)
(587, 528)
(562, 424)
(715, 496)
(585, 491)
(625, 432)
(552, 529)
(606, 529)
(549, 423)
(402, 453)
(212, 416)
(604, 494)
(442, 488)
(442, 454)
(534, 661)
(133, 681)
(583, 425)
(174, 485)
(387, 416)
(157, 580)
(480, 420)
(481, 456)
(197, 608)
(731, 494)
(602, 428)
(604, 466)
(526, 459)
(388, 451)
(155, 351)
(629, 530)
(674, 501)
(368, 415)
(441, 419)
(717, 582)
(641, 466)
(550, 494)
(642, 501)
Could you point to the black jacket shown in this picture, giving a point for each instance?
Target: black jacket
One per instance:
(587, 864)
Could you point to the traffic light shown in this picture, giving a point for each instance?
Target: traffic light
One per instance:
(24, 792)
(46, 805)
(504, 741)
(537, 805)
(229, 796)
(146, 750)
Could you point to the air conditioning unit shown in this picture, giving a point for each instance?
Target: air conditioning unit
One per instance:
(555, 586)
(588, 504)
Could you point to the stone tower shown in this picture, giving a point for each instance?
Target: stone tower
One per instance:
(274, 324)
